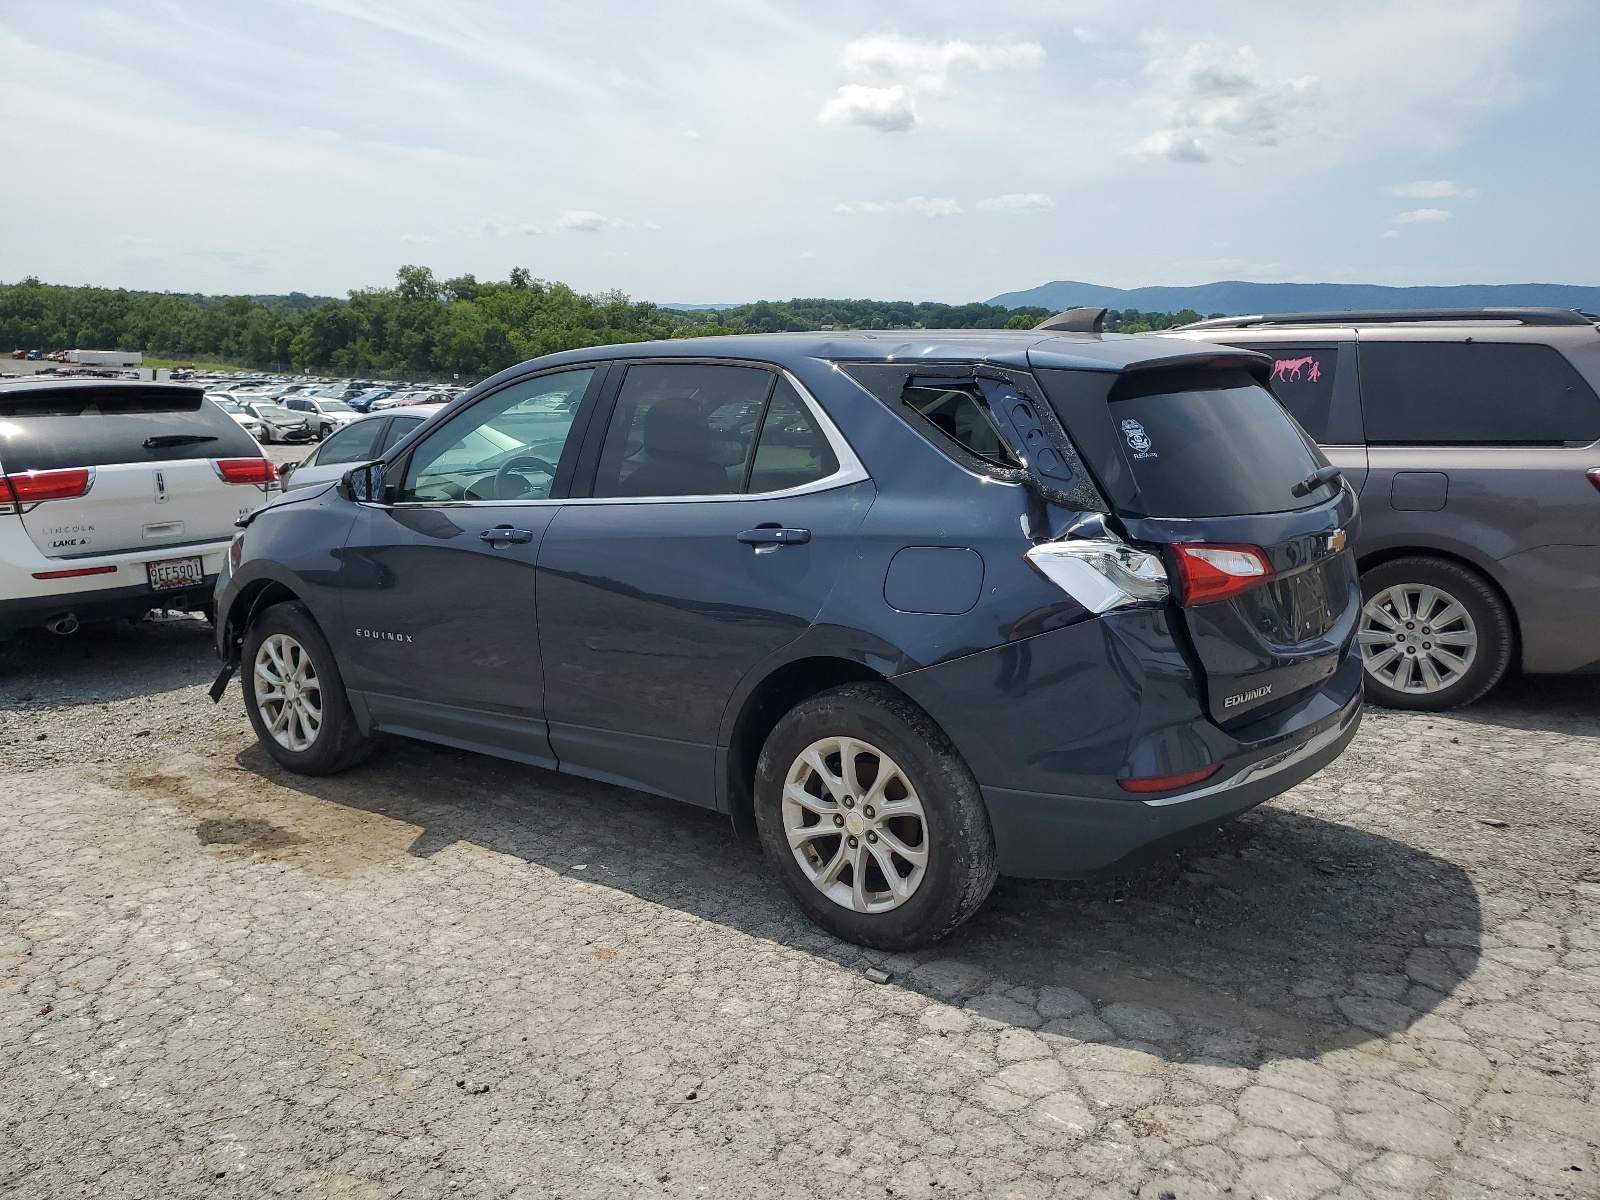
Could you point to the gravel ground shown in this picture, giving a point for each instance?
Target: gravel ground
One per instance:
(443, 975)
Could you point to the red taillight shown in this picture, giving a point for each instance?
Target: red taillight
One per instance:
(1169, 783)
(1211, 572)
(246, 470)
(1594, 476)
(29, 487)
(73, 574)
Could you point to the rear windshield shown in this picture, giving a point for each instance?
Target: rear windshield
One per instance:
(1207, 443)
(43, 430)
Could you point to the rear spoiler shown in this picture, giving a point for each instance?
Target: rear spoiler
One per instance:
(1259, 365)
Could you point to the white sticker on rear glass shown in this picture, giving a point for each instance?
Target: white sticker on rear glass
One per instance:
(1138, 440)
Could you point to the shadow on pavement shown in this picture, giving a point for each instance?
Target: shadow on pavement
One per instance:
(1279, 935)
(109, 660)
(1567, 704)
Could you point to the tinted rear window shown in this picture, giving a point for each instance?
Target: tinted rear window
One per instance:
(1210, 444)
(43, 430)
(1432, 393)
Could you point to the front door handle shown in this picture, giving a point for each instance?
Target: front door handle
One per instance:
(774, 535)
(504, 533)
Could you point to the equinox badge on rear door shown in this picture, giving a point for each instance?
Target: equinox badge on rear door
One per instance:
(1243, 697)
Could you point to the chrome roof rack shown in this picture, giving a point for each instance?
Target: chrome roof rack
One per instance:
(1524, 316)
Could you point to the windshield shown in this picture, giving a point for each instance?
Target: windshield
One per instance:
(1207, 443)
(273, 410)
(224, 404)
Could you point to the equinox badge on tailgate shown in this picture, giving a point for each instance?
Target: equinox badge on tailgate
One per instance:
(1243, 697)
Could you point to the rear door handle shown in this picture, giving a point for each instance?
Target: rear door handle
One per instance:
(773, 535)
(505, 533)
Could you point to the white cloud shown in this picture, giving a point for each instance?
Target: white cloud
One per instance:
(1431, 189)
(1390, 233)
(588, 222)
(488, 227)
(886, 109)
(1212, 91)
(1017, 202)
(418, 238)
(1085, 35)
(919, 206)
(1167, 143)
(927, 65)
(903, 68)
(1423, 216)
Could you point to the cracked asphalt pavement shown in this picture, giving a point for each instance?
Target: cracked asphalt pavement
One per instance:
(443, 975)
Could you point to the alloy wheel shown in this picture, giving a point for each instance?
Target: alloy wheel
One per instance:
(1417, 638)
(288, 693)
(855, 824)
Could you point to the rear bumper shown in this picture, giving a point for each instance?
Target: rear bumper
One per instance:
(1048, 726)
(1043, 836)
(125, 591)
(102, 604)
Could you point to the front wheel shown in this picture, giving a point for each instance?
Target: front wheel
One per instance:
(1434, 634)
(295, 696)
(872, 820)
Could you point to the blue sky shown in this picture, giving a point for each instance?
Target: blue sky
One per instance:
(730, 150)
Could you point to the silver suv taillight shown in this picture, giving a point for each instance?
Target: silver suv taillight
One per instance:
(1100, 573)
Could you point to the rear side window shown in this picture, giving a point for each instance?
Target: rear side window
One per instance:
(1303, 379)
(357, 442)
(792, 451)
(44, 430)
(682, 429)
(955, 413)
(1211, 443)
(1433, 393)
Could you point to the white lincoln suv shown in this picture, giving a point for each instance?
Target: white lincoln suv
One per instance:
(117, 498)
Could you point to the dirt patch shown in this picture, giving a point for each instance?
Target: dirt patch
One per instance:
(245, 832)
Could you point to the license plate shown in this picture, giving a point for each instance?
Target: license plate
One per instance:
(173, 573)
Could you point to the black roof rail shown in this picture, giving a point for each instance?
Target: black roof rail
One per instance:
(1526, 316)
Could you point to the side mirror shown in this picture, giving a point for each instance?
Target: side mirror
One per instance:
(364, 484)
(286, 470)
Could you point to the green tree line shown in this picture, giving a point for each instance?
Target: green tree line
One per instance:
(426, 326)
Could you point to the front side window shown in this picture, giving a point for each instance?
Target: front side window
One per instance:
(352, 444)
(1465, 393)
(682, 429)
(507, 446)
(398, 428)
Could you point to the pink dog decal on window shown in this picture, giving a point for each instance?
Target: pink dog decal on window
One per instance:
(1288, 370)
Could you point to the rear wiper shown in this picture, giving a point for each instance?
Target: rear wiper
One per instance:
(1315, 480)
(162, 440)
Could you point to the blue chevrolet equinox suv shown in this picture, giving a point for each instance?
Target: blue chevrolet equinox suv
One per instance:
(915, 609)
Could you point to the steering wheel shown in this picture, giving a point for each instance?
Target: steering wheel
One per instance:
(513, 464)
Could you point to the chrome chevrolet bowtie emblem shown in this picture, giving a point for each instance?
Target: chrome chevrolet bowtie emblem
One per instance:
(1336, 541)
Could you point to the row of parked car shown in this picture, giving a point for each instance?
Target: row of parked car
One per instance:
(298, 411)
(914, 610)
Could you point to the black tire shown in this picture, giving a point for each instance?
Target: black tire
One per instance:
(960, 854)
(339, 743)
(1490, 620)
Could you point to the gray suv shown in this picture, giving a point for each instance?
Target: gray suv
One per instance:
(1473, 438)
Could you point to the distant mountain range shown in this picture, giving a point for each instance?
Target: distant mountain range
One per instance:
(1234, 298)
